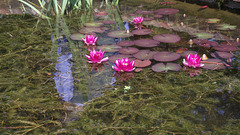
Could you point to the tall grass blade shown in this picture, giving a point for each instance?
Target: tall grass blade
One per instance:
(64, 4)
(55, 6)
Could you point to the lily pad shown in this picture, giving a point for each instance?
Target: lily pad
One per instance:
(93, 24)
(213, 20)
(126, 43)
(226, 27)
(118, 56)
(203, 35)
(160, 67)
(148, 19)
(144, 12)
(144, 54)
(209, 44)
(109, 48)
(225, 48)
(199, 41)
(166, 56)
(103, 13)
(128, 50)
(77, 36)
(138, 70)
(119, 34)
(91, 30)
(181, 50)
(183, 54)
(224, 55)
(158, 16)
(166, 11)
(108, 22)
(142, 32)
(213, 64)
(167, 38)
(146, 43)
(142, 63)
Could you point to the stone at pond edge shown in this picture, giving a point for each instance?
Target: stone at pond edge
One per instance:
(160, 67)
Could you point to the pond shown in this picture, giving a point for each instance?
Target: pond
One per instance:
(48, 85)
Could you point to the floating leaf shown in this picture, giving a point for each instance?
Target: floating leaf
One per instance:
(118, 56)
(157, 16)
(144, 54)
(224, 55)
(142, 32)
(203, 35)
(181, 50)
(160, 67)
(93, 24)
(148, 19)
(166, 56)
(209, 44)
(142, 63)
(119, 34)
(91, 30)
(213, 64)
(138, 69)
(77, 36)
(128, 50)
(146, 43)
(226, 27)
(183, 54)
(213, 20)
(109, 48)
(166, 11)
(144, 12)
(225, 48)
(103, 13)
(126, 43)
(167, 38)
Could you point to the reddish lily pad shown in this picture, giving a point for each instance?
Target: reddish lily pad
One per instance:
(181, 50)
(234, 43)
(128, 50)
(209, 44)
(103, 13)
(183, 54)
(148, 19)
(199, 41)
(119, 34)
(166, 56)
(138, 70)
(142, 32)
(144, 12)
(203, 35)
(146, 43)
(109, 48)
(224, 55)
(126, 43)
(167, 38)
(108, 22)
(93, 24)
(160, 67)
(142, 63)
(91, 30)
(118, 56)
(226, 27)
(77, 36)
(225, 48)
(158, 16)
(213, 64)
(167, 11)
(144, 54)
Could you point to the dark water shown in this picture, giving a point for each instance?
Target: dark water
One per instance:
(45, 81)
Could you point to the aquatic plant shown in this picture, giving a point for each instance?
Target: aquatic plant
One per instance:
(90, 40)
(124, 65)
(137, 22)
(96, 57)
(193, 60)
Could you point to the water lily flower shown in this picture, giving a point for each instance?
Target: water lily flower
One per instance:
(193, 60)
(137, 22)
(90, 40)
(124, 65)
(96, 57)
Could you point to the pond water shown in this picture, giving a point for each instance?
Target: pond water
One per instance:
(48, 86)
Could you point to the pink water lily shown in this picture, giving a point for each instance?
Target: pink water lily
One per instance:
(90, 40)
(137, 22)
(193, 60)
(124, 65)
(96, 57)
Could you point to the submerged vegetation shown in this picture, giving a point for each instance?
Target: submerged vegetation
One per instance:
(145, 103)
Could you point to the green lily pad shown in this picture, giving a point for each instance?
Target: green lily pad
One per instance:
(203, 35)
(119, 34)
(93, 24)
(213, 20)
(77, 36)
(226, 27)
(160, 67)
(109, 48)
